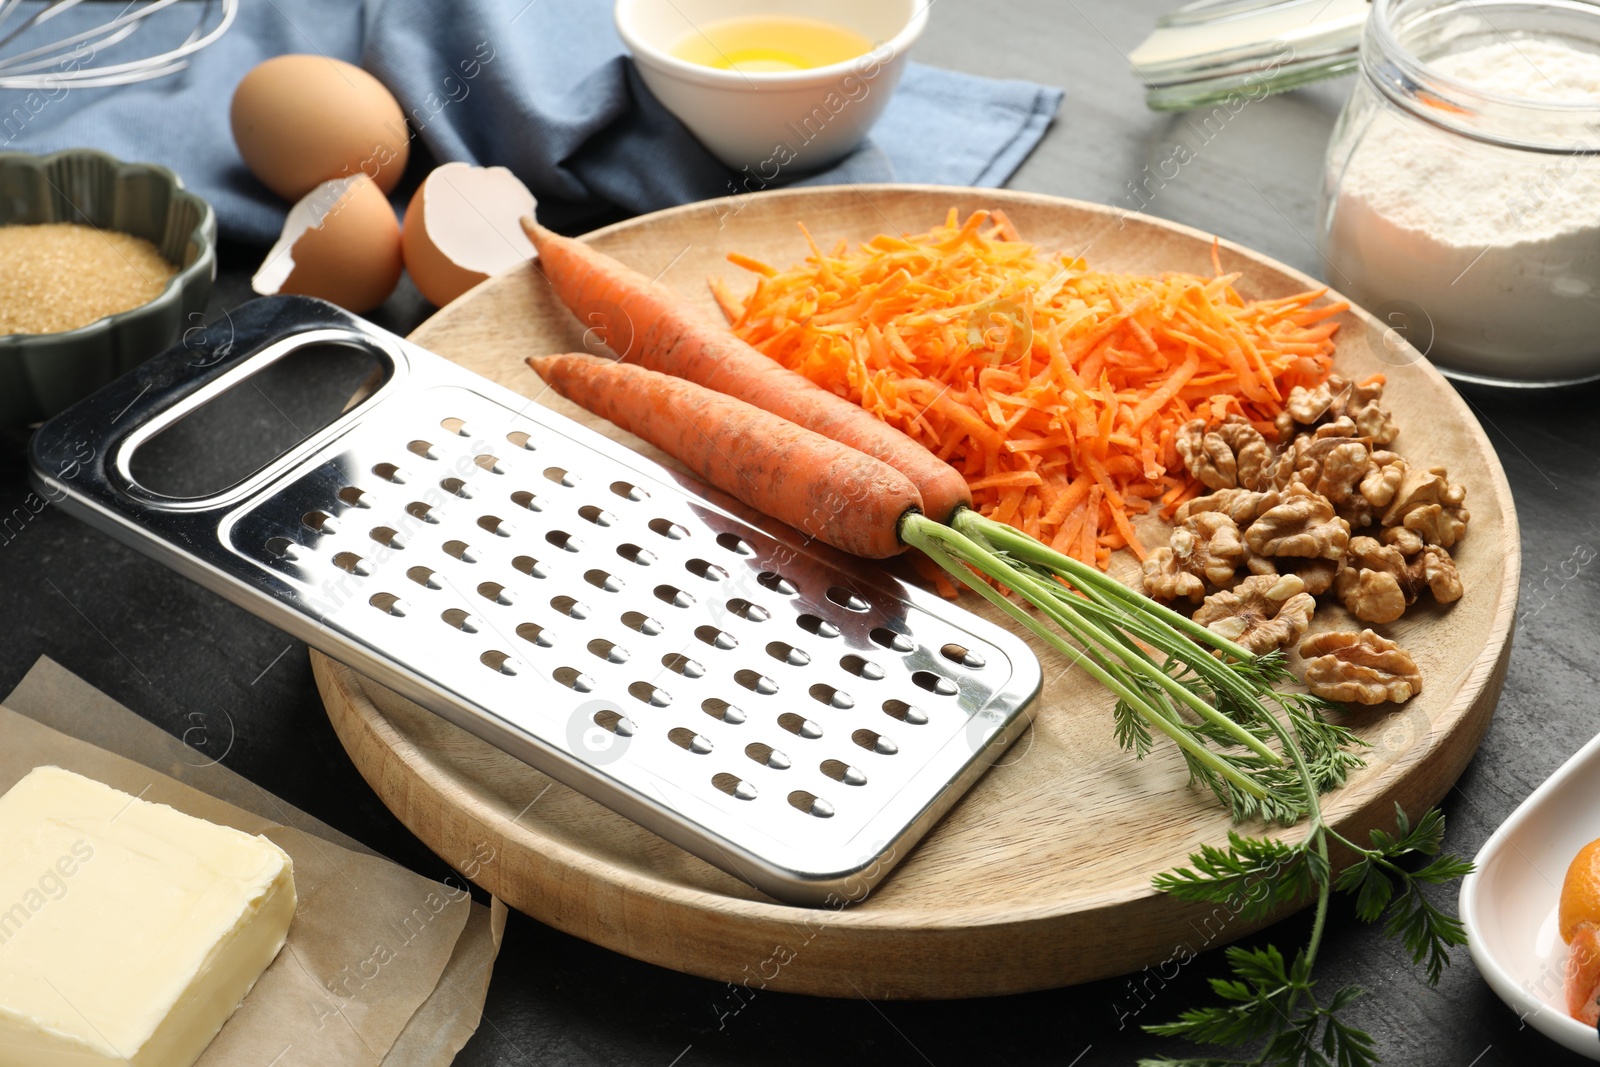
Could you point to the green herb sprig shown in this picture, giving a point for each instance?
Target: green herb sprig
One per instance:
(1263, 753)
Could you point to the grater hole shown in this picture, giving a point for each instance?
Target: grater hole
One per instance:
(800, 726)
(709, 571)
(418, 510)
(561, 476)
(635, 620)
(735, 544)
(934, 683)
(461, 620)
(686, 738)
(488, 462)
(846, 599)
(668, 529)
(601, 580)
(390, 473)
(534, 634)
(652, 695)
(576, 609)
(608, 651)
(718, 708)
(421, 448)
(862, 668)
(756, 682)
(787, 653)
(455, 487)
(842, 772)
(349, 561)
(671, 594)
(634, 554)
(823, 693)
(963, 655)
(746, 610)
(716, 638)
(388, 536)
(563, 540)
(598, 516)
(629, 491)
(281, 548)
(873, 741)
(320, 521)
(524, 499)
(460, 550)
(767, 756)
(811, 804)
(389, 603)
(776, 582)
(496, 525)
(497, 660)
(573, 678)
(353, 496)
(815, 624)
(494, 591)
(520, 439)
(455, 426)
(615, 722)
(678, 663)
(734, 786)
(907, 713)
(529, 566)
(894, 642)
(423, 576)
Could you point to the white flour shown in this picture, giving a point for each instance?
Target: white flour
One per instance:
(1500, 249)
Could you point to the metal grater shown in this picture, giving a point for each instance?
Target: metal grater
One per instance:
(783, 711)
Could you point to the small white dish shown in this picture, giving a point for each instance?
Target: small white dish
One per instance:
(773, 123)
(1509, 903)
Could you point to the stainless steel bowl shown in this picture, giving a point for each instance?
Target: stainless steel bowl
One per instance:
(40, 374)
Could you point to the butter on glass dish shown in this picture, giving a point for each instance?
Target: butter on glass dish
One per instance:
(791, 85)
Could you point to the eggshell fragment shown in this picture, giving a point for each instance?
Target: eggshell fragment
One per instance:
(341, 243)
(462, 227)
(300, 120)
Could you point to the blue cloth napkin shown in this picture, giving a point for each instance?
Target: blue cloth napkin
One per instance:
(552, 95)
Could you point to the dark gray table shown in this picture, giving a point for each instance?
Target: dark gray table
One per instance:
(165, 647)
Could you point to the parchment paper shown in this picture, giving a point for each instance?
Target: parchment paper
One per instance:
(382, 966)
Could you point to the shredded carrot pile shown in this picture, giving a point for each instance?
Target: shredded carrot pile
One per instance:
(1058, 391)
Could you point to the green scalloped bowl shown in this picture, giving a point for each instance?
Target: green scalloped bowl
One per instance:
(40, 374)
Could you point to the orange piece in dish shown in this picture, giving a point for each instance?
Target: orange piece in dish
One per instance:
(1579, 920)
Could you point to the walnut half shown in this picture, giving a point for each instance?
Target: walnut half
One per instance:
(1359, 668)
(1262, 613)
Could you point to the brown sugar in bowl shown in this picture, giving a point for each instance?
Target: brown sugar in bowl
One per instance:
(42, 373)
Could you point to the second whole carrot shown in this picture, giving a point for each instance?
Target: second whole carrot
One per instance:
(659, 330)
(825, 489)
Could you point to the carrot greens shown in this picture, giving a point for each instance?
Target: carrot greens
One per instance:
(1264, 753)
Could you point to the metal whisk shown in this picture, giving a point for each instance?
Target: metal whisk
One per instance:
(32, 58)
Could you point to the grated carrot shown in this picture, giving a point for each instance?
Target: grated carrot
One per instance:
(1056, 390)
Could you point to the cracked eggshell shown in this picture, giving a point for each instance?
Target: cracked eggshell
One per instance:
(462, 227)
(341, 243)
(300, 120)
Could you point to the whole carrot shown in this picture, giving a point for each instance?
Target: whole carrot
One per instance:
(820, 487)
(661, 331)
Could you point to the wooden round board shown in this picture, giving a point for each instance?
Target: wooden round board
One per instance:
(1040, 876)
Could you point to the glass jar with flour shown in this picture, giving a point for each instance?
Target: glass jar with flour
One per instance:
(1462, 197)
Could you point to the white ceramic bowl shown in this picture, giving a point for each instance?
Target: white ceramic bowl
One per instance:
(1509, 903)
(775, 123)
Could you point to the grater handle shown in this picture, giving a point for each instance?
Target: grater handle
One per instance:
(84, 450)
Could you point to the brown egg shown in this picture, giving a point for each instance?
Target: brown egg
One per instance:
(341, 242)
(301, 120)
(462, 227)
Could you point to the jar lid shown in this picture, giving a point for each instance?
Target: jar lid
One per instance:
(1213, 50)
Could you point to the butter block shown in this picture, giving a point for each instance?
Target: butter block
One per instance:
(129, 931)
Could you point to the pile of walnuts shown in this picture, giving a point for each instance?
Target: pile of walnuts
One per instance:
(1332, 511)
